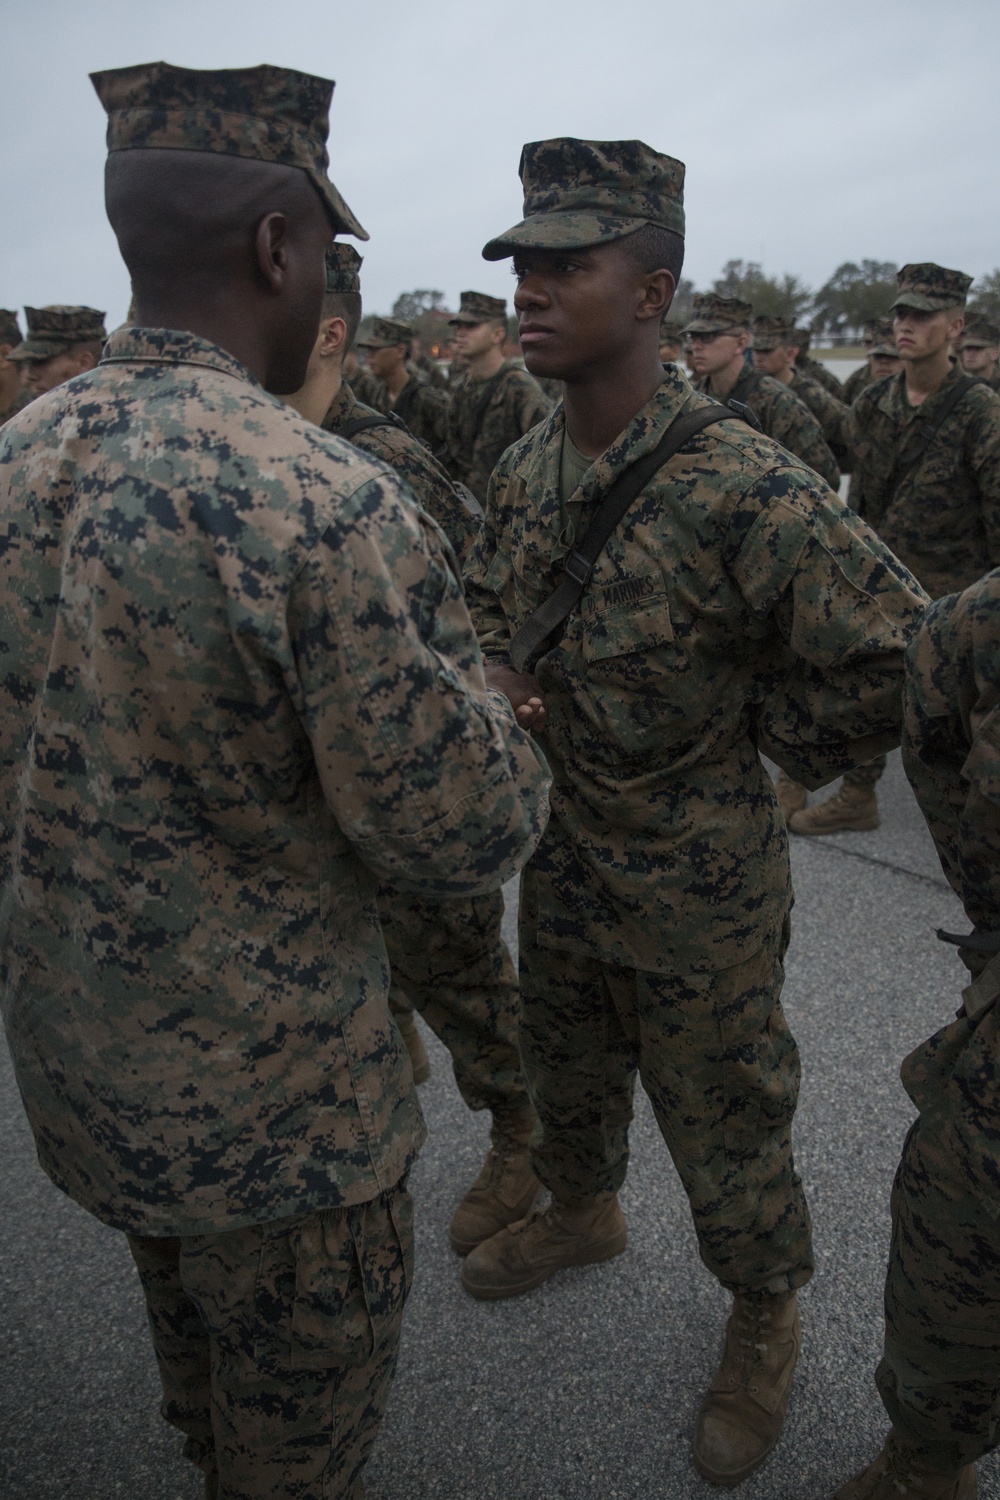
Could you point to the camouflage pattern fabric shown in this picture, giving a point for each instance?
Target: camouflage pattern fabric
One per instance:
(856, 382)
(721, 1070)
(478, 435)
(396, 446)
(276, 1344)
(816, 370)
(580, 193)
(738, 605)
(238, 659)
(383, 333)
(57, 329)
(422, 407)
(831, 414)
(940, 1374)
(942, 516)
(784, 417)
(480, 307)
(711, 313)
(366, 387)
(931, 288)
(264, 114)
(431, 371)
(449, 961)
(10, 332)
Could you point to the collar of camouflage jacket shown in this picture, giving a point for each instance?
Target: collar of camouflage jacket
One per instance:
(170, 346)
(341, 408)
(541, 472)
(893, 400)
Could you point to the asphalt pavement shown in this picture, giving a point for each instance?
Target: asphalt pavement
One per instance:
(587, 1388)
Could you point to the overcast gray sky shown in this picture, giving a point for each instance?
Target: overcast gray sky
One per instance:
(813, 132)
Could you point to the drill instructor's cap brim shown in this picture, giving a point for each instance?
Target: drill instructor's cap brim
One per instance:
(261, 114)
(582, 193)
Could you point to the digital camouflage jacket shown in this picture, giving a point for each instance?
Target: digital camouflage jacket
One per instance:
(485, 417)
(856, 382)
(830, 413)
(422, 407)
(784, 418)
(739, 606)
(816, 370)
(951, 752)
(941, 515)
(397, 447)
(241, 688)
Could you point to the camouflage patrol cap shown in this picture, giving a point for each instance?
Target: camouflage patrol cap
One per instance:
(931, 288)
(980, 333)
(343, 268)
(579, 193)
(57, 329)
(385, 332)
(711, 313)
(477, 307)
(262, 114)
(771, 333)
(882, 337)
(10, 333)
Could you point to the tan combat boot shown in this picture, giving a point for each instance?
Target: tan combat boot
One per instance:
(419, 1061)
(525, 1254)
(893, 1476)
(743, 1413)
(505, 1189)
(792, 795)
(852, 809)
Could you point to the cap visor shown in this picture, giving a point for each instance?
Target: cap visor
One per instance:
(920, 302)
(344, 221)
(467, 319)
(702, 325)
(567, 231)
(28, 350)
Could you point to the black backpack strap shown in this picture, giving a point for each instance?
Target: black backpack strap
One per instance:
(901, 468)
(529, 641)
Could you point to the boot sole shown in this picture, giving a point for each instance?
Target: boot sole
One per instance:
(606, 1251)
(730, 1478)
(465, 1247)
(860, 826)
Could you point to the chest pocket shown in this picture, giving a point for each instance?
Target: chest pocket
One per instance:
(620, 635)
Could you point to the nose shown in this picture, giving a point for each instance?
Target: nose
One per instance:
(530, 293)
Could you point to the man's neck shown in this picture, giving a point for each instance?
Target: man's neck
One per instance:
(721, 383)
(396, 380)
(925, 376)
(485, 366)
(601, 406)
(318, 394)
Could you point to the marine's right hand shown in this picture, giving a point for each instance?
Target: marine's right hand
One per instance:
(523, 693)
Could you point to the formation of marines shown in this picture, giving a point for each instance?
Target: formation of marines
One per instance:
(274, 738)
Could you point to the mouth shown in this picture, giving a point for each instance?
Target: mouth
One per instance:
(533, 333)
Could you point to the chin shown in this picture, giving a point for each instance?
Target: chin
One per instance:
(547, 363)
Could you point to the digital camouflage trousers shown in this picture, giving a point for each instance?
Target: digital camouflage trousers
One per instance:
(448, 959)
(721, 1070)
(277, 1343)
(939, 1378)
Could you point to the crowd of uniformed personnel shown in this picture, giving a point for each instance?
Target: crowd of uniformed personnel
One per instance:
(267, 761)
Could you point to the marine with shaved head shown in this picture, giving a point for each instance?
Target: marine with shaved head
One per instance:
(241, 690)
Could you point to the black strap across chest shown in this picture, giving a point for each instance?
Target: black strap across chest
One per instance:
(364, 424)
(928, 433)
(535, 636)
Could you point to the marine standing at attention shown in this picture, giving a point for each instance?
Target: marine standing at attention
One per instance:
(737, 605)
(447, 958)
(242, 689)
(496, 403)
(62, 342)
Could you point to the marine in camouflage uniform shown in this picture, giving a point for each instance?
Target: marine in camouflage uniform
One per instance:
(654, 914)
(724, 324)
(62, 342)
(940, 1373)
(862, 376)
(980, 351)
(420, 405)
(14, 395)
(671, 340)
(815, 369)
(362, 381)
(447, 958)
(774, 354)
(489, 412)
(424, 364)
(242, 688)
(927, 477)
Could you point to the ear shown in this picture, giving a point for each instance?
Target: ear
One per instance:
(656, 295)
(956, 326)
(742, 339)
(271, 247)
(332, 336)
(85, 360)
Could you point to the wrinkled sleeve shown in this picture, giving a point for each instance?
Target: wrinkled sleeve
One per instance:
(951, 741)
(426, 773)
(489, 576)
(843, 607)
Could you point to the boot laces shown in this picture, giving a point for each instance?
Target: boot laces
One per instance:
(752, 1326)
